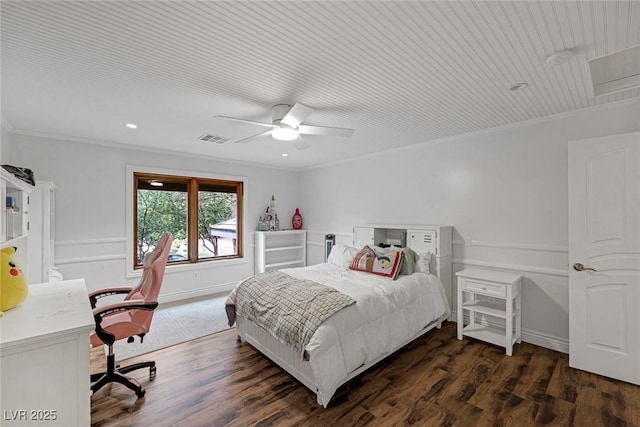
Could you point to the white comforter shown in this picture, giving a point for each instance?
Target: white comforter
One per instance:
(387, 314)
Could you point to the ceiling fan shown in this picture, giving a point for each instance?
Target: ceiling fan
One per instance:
(286, 125)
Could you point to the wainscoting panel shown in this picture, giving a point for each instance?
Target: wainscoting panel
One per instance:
(315, 244)
(102, 263)
(89, 250)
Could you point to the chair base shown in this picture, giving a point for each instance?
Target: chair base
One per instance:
(117, 374)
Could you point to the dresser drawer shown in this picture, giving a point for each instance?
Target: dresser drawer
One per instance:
(485, 288)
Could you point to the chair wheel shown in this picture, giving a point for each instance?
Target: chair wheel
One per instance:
(152, 371)
(140, 393)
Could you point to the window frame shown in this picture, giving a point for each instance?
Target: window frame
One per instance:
(132, 171)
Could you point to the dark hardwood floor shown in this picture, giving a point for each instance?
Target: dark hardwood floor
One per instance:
(435, 381)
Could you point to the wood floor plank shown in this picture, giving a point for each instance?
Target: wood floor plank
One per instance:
(537, 375)
(608, 402)
(494, 393)
(565, 381)
(437, 380)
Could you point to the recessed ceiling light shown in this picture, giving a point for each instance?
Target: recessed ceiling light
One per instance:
(284, 154)
(559, 57)
(132, 126)
(518, 86)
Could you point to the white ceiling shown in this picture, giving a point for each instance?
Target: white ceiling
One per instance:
(399, 73)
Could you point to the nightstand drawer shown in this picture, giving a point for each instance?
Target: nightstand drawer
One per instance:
(485, 288)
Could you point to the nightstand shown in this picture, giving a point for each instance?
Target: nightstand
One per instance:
(486, 296)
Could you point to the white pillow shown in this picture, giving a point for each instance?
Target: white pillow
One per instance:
(341, 255)
(422, 265)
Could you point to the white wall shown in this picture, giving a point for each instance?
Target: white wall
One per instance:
(4, 141)
(90, 222)
(506, 190)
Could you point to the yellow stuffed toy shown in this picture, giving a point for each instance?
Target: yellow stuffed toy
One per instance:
(13, 285)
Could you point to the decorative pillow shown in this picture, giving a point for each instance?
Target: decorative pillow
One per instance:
(363, 260)
(422, 264)
(387, 264)
(341, 255)
(410, 258)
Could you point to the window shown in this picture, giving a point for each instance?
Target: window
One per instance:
(203, 214)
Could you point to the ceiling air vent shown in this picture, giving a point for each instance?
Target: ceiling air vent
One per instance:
(616, 72)
(208, 137)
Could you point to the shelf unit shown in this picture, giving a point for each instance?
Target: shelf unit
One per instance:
(42, 233)
(495, 294)
(280, 249)
(14, 225)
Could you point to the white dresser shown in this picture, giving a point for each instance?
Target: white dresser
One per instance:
(44, 357)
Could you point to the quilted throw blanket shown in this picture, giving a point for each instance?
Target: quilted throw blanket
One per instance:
(289, 309)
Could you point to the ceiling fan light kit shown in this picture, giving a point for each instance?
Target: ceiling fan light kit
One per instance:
(285, 133)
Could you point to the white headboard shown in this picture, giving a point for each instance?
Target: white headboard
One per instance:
(435, 239)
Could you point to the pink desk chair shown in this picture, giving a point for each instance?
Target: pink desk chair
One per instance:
(129, 318)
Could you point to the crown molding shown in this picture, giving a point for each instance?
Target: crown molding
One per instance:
(122, 146)
(531, 122)
(488, 131)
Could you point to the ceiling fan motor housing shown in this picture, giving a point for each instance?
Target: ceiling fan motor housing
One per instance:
(279, 111)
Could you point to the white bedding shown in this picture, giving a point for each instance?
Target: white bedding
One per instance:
(387, 314)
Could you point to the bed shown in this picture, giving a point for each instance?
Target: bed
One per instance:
(387, 314)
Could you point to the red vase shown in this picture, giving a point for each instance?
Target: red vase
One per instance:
(296, 220)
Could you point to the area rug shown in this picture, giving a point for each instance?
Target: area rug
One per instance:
(176, 322)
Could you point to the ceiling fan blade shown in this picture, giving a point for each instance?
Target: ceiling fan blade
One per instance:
(296, 115)
(249, 138)
(325, 131)
(300, 143)
(243, 121)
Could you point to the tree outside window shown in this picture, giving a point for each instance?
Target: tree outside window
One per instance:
(202, 214)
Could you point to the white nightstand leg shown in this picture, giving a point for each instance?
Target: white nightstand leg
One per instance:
(519, 317)
(509, 323)
(460, 312)
(472, 314)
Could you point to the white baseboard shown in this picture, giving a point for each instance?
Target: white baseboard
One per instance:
(532, 337)
(546, 341)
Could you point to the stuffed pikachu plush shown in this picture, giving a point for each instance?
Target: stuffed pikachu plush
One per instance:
(13, 285)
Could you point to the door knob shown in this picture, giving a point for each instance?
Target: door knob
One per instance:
(579, 267)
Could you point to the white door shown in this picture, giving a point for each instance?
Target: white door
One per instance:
(604, 235)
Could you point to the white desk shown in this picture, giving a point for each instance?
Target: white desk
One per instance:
(44, 357)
